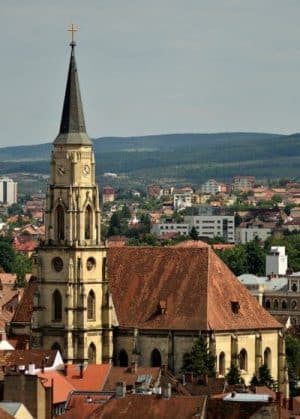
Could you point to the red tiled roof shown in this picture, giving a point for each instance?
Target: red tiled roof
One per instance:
(24, 310)
(192, 243)
(61, 386)
(117, 374)
(94, 376)
(149, 407)
(80, 406)
(196, 286)
(25, 357)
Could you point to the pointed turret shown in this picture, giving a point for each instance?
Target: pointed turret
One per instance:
(72, 127)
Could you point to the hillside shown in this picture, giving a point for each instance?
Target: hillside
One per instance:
(176, 158)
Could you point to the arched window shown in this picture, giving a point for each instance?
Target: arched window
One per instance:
(155, 358)
(60, 223)
(92, 353)
(283, 304)
(275, 304)
(123, 358)
(243, 359)
(56, 347)
(222, 363)
(57, 306)
(293, 304)
(267, 357)
(88, 223)
(91, 305)
(268, 304)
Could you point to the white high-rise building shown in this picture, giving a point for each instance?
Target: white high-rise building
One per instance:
(8, 191)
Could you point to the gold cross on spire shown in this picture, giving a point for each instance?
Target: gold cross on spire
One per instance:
(72, 29)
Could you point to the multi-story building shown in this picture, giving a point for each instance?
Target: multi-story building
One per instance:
(154, 191)
(210, 187)
(246, 232)
(182, 200)
(209, 226)
(108, 194)
(243, 183)
(8, 191)
(213, 226)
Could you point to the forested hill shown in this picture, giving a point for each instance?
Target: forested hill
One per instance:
(176, 158)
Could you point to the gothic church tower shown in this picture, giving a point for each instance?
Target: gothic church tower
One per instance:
(71, 306)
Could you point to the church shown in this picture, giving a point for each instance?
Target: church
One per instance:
(134, 304)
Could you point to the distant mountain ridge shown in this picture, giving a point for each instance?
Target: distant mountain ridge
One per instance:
(176, 158)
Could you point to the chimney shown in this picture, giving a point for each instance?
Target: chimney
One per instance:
(120, 390)
(167, 391)
(133, 367)
(81, 370)
(31, 369)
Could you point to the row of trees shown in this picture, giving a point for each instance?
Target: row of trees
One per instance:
(201, 362)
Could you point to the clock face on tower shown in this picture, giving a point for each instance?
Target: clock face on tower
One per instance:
(57, 264)
(61, 170)
(86, 169)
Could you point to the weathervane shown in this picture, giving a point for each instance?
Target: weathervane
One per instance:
(72, 29)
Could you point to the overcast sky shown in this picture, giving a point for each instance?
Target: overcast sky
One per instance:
(151, 66)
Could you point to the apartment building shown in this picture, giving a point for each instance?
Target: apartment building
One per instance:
(8, 191)
(213, 226)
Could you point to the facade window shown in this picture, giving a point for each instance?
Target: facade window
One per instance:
(91, 305)
(283, 304)
(294, 287)
(268, 304)
(294, 305)
(92, 353)
(275, 304)
(243, 360)
(57, 306)
(60, 223)
(267, 357)
(222, 363)
(56, 347)
(155, 358)
(88, 223)
(123, 358)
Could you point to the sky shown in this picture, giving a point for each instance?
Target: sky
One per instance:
(151, 66)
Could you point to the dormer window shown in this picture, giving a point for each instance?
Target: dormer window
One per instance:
(294, 287)
(162, 306)
(235, 307)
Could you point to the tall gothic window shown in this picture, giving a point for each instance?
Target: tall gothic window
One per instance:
(91, 305)
(57, 306)
(88, 223)
(60, 222)
(155, 358)
(92, 354)
(243, 358)
(123, 358)
(267, 357)
(222, 363)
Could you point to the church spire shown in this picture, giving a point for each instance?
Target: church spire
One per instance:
(72, 127)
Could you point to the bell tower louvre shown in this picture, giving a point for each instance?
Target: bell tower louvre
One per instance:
(71, 306)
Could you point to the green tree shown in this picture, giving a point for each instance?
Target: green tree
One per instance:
(264, 377)
(125, 212)
(234, 375)
(194, 234)
(15, 209)
(114, 225)
(292, 350)
(235, 259)
(22, 266)
(200, 361)
(255, 258)
(7, 256)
